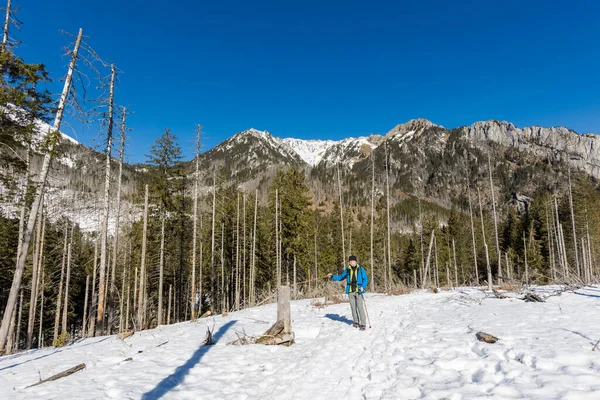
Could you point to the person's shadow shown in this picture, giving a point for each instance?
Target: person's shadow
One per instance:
(173, 380)
(340, 318)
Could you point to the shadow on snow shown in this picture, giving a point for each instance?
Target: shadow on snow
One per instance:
(173, 380)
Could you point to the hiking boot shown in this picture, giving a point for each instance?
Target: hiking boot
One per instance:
(355, 325)
(362, 327)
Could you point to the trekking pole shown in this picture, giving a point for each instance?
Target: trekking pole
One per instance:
(367, 311)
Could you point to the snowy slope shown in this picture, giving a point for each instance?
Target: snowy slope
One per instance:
(420, 346)
(311, 151)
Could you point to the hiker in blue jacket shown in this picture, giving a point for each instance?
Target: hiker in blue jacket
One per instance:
(356, 282)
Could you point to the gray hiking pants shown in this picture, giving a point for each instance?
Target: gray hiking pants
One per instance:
(357, 304)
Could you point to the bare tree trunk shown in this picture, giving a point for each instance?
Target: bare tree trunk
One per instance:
(495, 220)
(213, 287)
(142, 289)
(422, 265)
(388, 278)
(113, 277)
(316, 264)
(584, 261)
(253, 267)
(34, 281)
(551, 249)
(104, 231)
(195, 228)
(577, 267)
(455, 265)
(6, 26)
(277, 255)
(126, 322)
(122, 302)
(169, 306)
(508, 268)
(18, 338)
(161, 266)
(341, 216)
(40, 340)
(437, 266)
(244, 298)
(294, 273)
(135, 296)
(559, 250)
(60, 285)
(85, 303)
(426, 270)
(589, 243)
(472, 229)
(372, 225)
(223, 305)
(10, 343)
(200, 270)
(92, 313)
(67, 279)
(237, 256)
(485, 246)
(526, 265)
(21, 257)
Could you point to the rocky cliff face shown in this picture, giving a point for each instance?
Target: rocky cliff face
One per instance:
(559, 144)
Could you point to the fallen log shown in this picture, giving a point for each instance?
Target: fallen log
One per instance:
(125, 335)
(60, 375)
(486, 337)
(534, 298)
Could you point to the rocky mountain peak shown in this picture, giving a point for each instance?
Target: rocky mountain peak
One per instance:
(414, 125)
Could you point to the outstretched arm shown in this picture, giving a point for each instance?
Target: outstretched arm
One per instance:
(338, 277)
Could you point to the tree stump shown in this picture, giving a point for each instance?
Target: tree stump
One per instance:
(281, 331)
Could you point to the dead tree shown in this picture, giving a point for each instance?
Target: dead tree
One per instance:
(577, 267)
(195, 223)
(253, 266)
(237, 256)
(104, 230)
(94, 302)
(113, 287)
(485, 246)
(223, 299)
(341, 216)
(18, 337)
(34, 281)
(40, 337)
(426, 271)
(213, 289)
(6, 26)
(85, 302)
(388, 278)
(142, 289)
(372, 224)
(21, 258)
(161, 266)
(495, 220)
(60, 285)
(472, 229)
(525, 257)
(67, 279)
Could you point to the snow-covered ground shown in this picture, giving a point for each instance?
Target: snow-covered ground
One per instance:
(420, 346)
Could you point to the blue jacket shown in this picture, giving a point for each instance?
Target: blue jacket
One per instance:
(361, 280)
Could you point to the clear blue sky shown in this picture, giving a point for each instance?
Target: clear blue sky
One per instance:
(330, 69)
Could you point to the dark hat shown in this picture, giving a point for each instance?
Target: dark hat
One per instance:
(352, 258)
